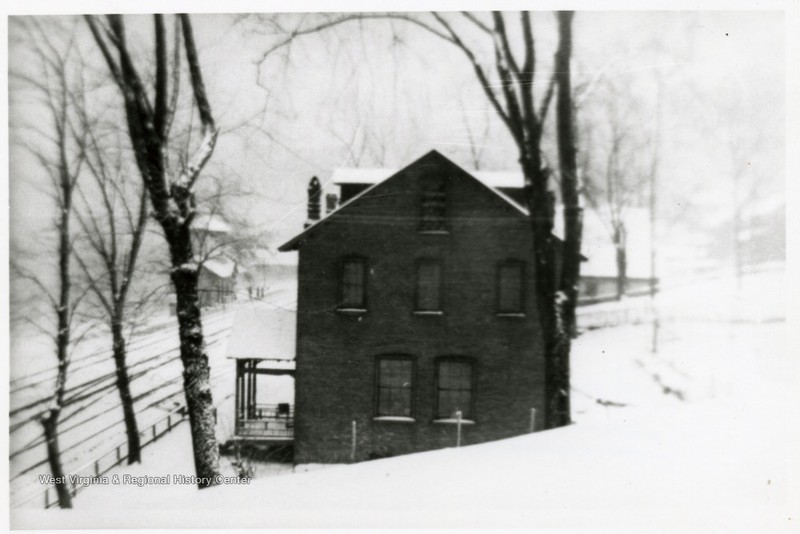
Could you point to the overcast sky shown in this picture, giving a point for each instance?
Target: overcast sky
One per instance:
(381, 94)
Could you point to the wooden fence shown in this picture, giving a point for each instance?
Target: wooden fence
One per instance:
(113, 457)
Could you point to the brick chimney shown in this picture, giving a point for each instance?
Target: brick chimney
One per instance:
(314, 193)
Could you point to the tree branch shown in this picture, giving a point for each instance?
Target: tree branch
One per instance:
(160, 114)
(456, 40)
(198, 87)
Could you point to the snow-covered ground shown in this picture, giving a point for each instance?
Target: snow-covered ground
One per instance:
(700, 436)
(91, 425)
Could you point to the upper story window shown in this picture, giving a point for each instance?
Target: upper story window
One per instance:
(353, 284)
(510, 287)
(433, 208)
(395, 383)
(429, 287)
(455, 384)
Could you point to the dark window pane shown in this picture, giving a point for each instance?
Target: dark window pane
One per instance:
(510, 297)
(353, 284)
(429, 279)
(394, 386)
(454, 390)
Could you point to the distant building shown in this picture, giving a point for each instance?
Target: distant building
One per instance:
(211, 241)
(415, 318)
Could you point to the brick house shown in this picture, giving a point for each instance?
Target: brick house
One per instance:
(415, 305)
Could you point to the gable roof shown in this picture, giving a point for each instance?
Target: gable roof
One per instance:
(374, 176)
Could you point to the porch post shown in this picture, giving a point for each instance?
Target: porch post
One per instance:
(251, 398)
(238, 401)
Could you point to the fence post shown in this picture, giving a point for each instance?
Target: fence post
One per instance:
(169, 422)
(119, 454)
(46, 498)
(533, 419)
(97, 468)
(458, 428)
(154, 431)
(353, 444)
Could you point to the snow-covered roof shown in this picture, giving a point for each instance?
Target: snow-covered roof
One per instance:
(350, 175)
(265, 333)
(210, 223)
(222, 267)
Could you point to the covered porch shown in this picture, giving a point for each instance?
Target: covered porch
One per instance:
(257, 418)
(262, 347)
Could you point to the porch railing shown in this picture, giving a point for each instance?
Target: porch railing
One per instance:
(271, 421)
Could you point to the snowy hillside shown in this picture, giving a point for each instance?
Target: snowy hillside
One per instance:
(698, 437)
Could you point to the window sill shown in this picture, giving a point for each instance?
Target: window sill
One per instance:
(432, 313)
(394, 419)
(351, 311)
(516, 315)
(434, 232)
(453, 421)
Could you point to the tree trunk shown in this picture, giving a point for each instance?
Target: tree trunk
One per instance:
(124, 388)
(50, 425)
(196, 372)
(622, 267)
(50, 421)
(173, 207)
(544, 254)
(621, 252)
(566, 297)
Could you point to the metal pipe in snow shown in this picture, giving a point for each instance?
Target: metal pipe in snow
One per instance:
(353, 445)
(458, 427)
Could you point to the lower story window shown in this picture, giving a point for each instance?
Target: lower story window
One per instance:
(454, 388)
(395, 386)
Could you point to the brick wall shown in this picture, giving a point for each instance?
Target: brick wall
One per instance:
(336, 353)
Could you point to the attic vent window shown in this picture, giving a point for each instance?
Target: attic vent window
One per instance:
(433, 206)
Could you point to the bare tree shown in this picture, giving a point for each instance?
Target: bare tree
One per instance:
(172, 198)
(511, 95)
(61, 156)
(613, 184)
(112, 230)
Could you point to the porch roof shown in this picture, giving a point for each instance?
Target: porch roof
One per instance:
(264, 333)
